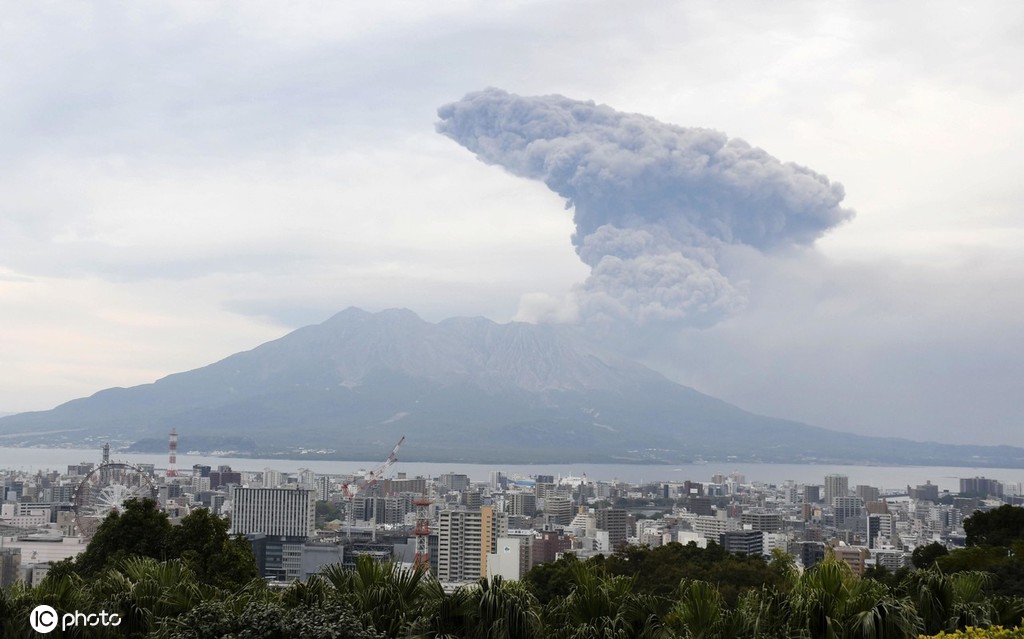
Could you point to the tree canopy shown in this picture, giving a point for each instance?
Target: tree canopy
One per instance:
(140, 529)
(999, 527)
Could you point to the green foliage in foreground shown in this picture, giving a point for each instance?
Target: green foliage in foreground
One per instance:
(201, 541)
(617, 597)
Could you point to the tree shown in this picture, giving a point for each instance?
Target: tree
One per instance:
(660, 569)
(201, 540)
(947, 602)
(602, 607)
(700, 613)
(139, 530)
(384, 595)
(999, 527)
(925, 556)
(553, 579)
(831, 602)
(333, 619)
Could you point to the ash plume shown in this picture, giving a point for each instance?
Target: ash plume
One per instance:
(655, 205)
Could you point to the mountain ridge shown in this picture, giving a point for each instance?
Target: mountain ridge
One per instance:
(462, 388)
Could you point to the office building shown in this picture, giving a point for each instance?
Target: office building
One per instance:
(879, 526)
(769, 522)
(559, 510)
(848, 510)
(616, 522)
(522, 504)
(866, 493)
(812, 494)
(980, 487)
(281, 512)
(10, 566)
(744, 542)
(925, 492)
(454, 482)
(836, 486)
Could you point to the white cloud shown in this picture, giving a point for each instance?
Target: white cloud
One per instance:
(183, 181)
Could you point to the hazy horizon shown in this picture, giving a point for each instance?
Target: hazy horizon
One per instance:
(187, 181)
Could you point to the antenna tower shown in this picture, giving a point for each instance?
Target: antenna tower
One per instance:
(422, 532)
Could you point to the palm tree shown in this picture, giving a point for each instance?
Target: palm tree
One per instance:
(830, 602)
(947, 602)
(602, 607)
(146, 592)
(503, 610)
(385, 595)
(699, 612)
(64, 594)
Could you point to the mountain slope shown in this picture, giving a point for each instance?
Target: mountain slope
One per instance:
(464, 388)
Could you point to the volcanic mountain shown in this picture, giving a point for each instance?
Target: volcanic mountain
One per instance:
(461, 389)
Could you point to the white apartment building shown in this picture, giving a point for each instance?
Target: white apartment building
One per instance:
(283, 512)
(464, 540)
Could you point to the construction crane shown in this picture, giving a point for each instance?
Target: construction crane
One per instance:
(352, 488)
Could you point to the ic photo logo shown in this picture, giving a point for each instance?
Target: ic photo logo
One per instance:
(44, 619)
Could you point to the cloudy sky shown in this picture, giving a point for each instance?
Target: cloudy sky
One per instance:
(183, 181)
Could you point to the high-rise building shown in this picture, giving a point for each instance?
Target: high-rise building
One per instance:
(454, 481)
(980, 487)
(847, 511)
(879, 526)
(559, 509)
(769, 522)
(523, 504)
(464, 539)
(10, 566)
(812, 494)
(616, 522)
(274, 512)
(866, 493)
(925, 492)
(471, 498)
(404, 485)
(323, 487)
(277, 522)
(272, 478)
(306, 478)
(836, 486)
(498, 480)
(224, 476)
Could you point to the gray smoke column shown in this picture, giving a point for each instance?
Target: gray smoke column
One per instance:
(654, 204)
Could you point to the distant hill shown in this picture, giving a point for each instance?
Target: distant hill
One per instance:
(461, 389)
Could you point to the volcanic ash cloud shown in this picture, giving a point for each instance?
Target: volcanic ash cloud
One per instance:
(655, 205)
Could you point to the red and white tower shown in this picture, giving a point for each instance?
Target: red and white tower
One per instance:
(172, 454)
(422, 533)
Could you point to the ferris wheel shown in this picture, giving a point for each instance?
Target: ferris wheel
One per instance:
(105, 490)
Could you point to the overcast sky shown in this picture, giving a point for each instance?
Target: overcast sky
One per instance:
(183, 181)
